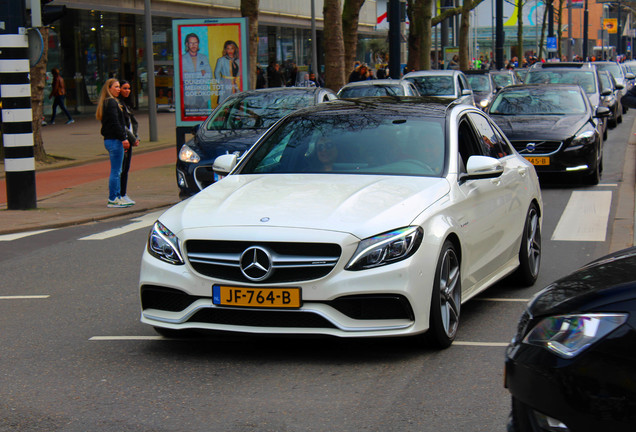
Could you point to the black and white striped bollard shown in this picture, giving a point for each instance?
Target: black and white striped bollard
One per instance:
(17, 118)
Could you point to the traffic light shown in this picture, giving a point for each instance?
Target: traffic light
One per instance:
(51, 13)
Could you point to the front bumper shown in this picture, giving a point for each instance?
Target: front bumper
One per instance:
(392, 300)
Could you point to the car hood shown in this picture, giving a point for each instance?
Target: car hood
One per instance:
(210, 144)
(603, 282)
(362, 205)
(539, 127)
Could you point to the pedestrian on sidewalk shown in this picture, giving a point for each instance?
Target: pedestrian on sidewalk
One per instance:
(111, 113)
(132, 127)
(58, 93)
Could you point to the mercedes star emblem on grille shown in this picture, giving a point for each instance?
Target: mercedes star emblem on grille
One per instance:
(256, 263)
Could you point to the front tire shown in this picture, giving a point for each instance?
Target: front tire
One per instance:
(530, 250)
(446, 298)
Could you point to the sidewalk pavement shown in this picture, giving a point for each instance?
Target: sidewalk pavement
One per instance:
(74, 188)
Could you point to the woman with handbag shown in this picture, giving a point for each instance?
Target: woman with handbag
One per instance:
(132, 126)
(111, 113)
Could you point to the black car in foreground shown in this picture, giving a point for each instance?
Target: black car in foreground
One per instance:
(571, 365)
(554, 126)
(234, 126)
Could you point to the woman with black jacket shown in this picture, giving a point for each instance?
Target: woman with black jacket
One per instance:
(111, 113)
(132, 126)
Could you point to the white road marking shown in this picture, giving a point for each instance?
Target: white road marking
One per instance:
(137, 223)
(521, 300)
(607, 185)
(484, 344)
(118, 338)
(15, 236)
(585, 217)
(24, 297)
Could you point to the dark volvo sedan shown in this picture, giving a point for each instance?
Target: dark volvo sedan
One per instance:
(234, 126)
(570, 366)
(554, 126)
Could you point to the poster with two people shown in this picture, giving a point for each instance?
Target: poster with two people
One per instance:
(210, 64)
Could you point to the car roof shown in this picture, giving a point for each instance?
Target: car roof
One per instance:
(283, 90)
(476, 71)
(433, 72)
(541, 85)
(385, 105)
(375, 82)
(562, 65)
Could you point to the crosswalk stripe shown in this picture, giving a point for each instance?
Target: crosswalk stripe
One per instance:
(484, 344)
(117, 338)
(16, 236)
(585, 217)
(24, 297)
(137, 223)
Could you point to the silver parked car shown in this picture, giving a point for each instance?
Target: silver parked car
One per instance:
(382, 87)
(447, 83)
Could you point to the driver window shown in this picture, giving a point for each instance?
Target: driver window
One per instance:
(467, 141)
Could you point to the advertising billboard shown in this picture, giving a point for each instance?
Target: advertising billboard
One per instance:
(210, 64)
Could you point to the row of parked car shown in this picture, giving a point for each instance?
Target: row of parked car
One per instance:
(545, 131)
(380, 216)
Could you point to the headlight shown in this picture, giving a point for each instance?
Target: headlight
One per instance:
(164, 245)
(484, 103)
(569, 335)
(582, 138)
(386, 248)
(186, 154)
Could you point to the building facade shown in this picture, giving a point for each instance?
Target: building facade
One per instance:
(96, 40)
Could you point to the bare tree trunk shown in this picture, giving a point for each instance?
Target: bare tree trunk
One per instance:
(464, 29)
(350, 17)
(38, 82)
(427, 33)
(414, 37)
(334, 45)
(249, 9)
(520, 30)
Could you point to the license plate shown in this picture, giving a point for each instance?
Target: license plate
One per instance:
(256, 297)
(538, 160)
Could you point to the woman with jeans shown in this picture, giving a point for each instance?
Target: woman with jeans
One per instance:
(111, 113)
(131, 129)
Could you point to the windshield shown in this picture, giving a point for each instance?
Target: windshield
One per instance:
(539, 101)
(479, 83)
(502, 80)
(434, 85)
(353, 143)
(257, 111)
(583, 78)
(612, 68)
(371, 90)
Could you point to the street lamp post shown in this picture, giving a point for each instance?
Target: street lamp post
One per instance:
(585, 30)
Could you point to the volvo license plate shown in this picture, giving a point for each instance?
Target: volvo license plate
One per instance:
(256, 297)
(538, 160)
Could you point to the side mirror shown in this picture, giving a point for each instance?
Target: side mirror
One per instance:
(620, 86)
(606, 92)
(467, 92)
(602, 112)
(630, 76)
(483, 167)
(224, 164)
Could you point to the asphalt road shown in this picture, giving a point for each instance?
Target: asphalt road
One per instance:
(74, 356)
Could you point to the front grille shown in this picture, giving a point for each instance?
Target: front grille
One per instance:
(257, 318)
(204, 176)
(540, 147)
(370, 307)
(167, 299)
(291, 262)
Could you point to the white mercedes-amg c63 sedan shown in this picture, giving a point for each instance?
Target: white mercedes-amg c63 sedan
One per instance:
(357, 218)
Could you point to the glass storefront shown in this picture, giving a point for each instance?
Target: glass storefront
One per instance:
(90, 46)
